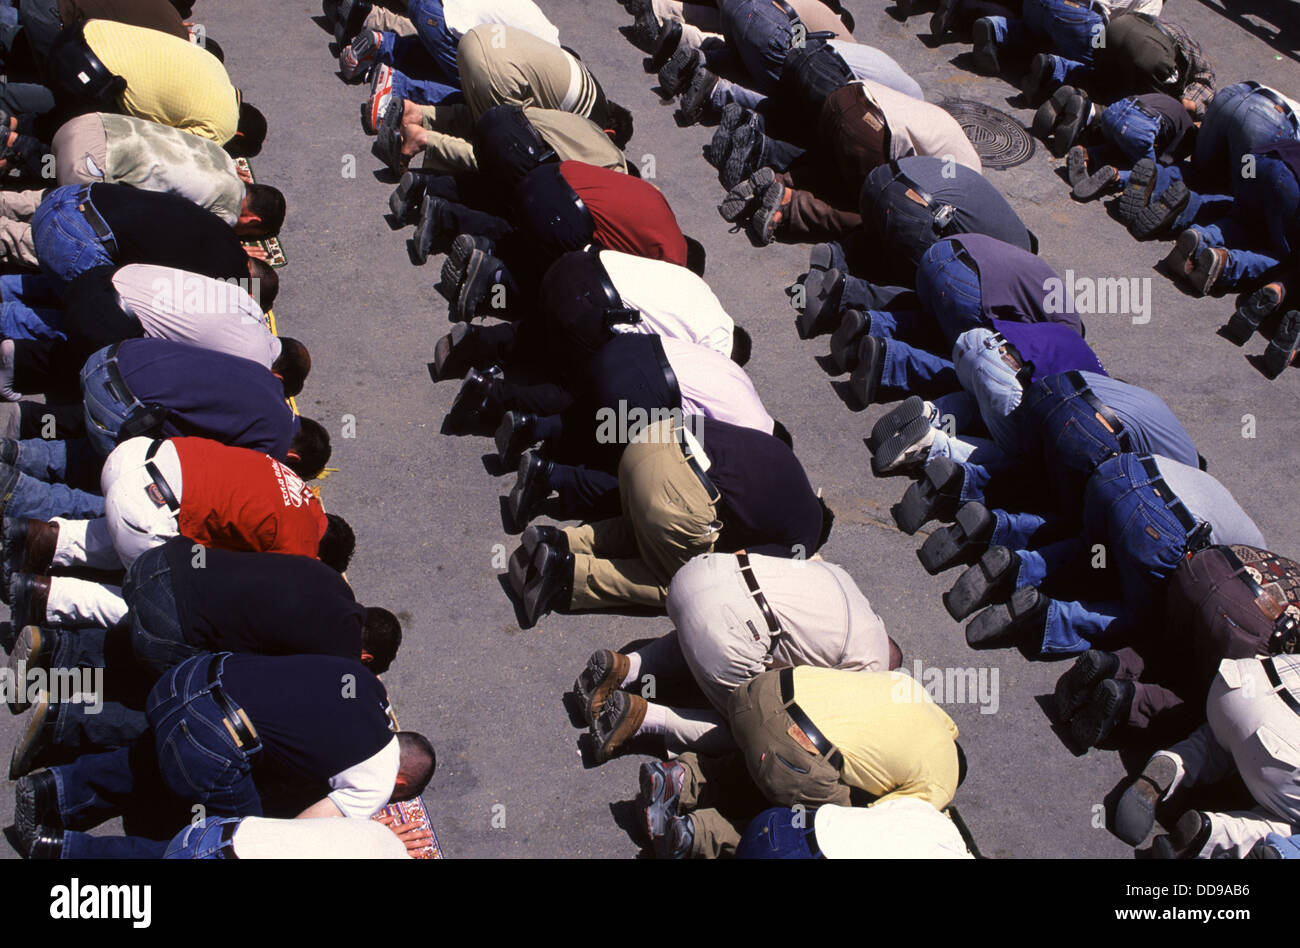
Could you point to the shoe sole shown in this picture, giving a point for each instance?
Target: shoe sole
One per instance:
(446, 348)
(960, 543)
(892, 458)
(985, 51)
(1180, 260)
(595, 693)
(892, 422)
(1074, 687)
(26, 651)
(464, 308)
(453, 268)
(845, 341)
(1002, 625)
(1245, 320)
(1281, 349)
(652, 803)
(1156, 218)
(27, 748)
(1137, 193)
(1135, 813)
(925, 500)
(988, 582)
(746, 194)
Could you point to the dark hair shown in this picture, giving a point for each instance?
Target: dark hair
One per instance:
(337, 543)
(742, 346)
(620, 124)
(293, 366)
(268, 282)
(213, 47)
(694, 256)
(418, 762)
(312, 446)
(267, 203)
(250, 134)
(381, 636)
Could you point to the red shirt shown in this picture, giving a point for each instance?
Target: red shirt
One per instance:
(630, 214)
(242, 500)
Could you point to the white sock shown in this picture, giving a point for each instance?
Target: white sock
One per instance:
(656, 719)
(633, 669)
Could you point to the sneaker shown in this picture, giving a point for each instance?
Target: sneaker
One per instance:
(1135, 814)
(985, 39)
(660, 789)
(742, 198)
(1281, 348)
(962, 542)
(1247, 317)
(381, 94)
(1075, 687)
(677, 72)
(763, 222)
(678, 839)
(358, 56)
(1160, 214)
(667, 43)
(1137, 193)
(695, 100)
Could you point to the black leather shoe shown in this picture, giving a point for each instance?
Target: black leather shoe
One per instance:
(822, 290)
(1071, 123)
(36, 808)
(991, 580)
(452, 276)
(519, 569)
(846, 339)
(1191, 833)
(33, 649)
(1101, 181)
(428, 234)
(936, 496)
(695, 100)
(36, 736)
(1281, 348)
(1047, 114)
(28, 596)
(1137, 193)
(900, 442)
(539, 533)
(514, 436)
(676, 72)
(892, 422)
(477, 402)
(1158, 216)
(1247, 317)
(963, 542)
(1075, 687)
(865, 380)
(351, 18)
(407, 197)
(532, 487)
(551, 584)
(941, 20)
(1107, 708)
(1021, 620)
(1135, 814)
(667, 43)
(1038, 83)
(483, 273)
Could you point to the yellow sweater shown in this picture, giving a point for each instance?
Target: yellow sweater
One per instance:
(168, 80)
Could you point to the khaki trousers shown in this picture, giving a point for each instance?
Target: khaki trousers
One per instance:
(16, 210)
(386, 21)
(668, 517)
(80, 149)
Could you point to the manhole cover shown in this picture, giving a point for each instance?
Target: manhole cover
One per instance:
(999, 140)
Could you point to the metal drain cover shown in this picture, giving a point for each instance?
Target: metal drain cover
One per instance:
(999, 140)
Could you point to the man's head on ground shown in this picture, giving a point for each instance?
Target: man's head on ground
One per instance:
(619, 127)
(293, 366)
(418, 761)
(249, 135)
(266, 283)
(309, 451)
(262, 212)
(381, 637)
(337, 543)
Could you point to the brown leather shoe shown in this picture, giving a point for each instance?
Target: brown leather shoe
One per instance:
(618, 721)
(29, 594)
(605, 671)
(28, 547)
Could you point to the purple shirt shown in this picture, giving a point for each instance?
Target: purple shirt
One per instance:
(1053, 348)
(1014, 283)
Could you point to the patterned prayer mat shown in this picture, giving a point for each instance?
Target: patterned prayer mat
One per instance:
(274, 252)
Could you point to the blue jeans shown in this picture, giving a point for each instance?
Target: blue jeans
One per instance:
(949, 287)
(1263, 226)
(1130, 129)
(439, 40)
(992, 383)
(106, 409)
(157, 639)
(759, 35)
(199, 840)
(1238, 121)
(26, 496)
(862, 294)
(423, 91)
(66, 244)
(54, 461)
(908, 370)
(32, 307)
(1069, 29)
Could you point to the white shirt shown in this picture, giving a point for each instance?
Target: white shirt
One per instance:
(363, 789)
(898, 828)
(323, 838)
(205, 312)
(462, 16)
(135, 519)
(715, 387)
(673, 301)
(1149, 7)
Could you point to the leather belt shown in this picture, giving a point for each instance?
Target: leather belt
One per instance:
(616, 313)
(714, 494)
(773, 625)
(1286, 631)
(1198, 532)
(874, 110)
(117, 386)
(944, 214)
(227, 848)
(236, 721)
(1274, 679)
(824, 747)
(164, 489)
(788, 10)
(670, 377)
(1104, 412)
(1280, 103)
(97, 224)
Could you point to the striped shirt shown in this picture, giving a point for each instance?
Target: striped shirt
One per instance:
(168, 80)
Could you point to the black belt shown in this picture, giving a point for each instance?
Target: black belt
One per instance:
(1286, 631)
(616, 313)
(165, 496)
(1274, 679)
(670, 377)
(1198, 531)
(97, 224)
(944, 214)
(788, 10)
(714, 494)
(1104, 411)
(245, 737)
(773, 625)
(824, 747)
(227, 848)
(117, 386)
